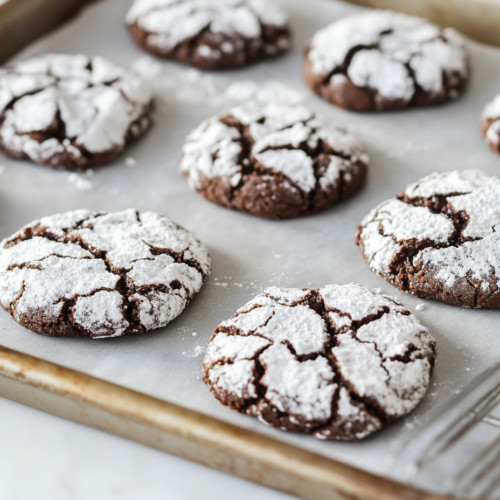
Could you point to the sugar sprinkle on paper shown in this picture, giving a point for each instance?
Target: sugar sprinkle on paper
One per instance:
(79, 182)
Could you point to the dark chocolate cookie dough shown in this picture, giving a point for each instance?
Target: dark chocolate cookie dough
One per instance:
(71, 111)
(340, 362)
(380, 60)
(210, 33)
(90, 274)
(274, 161)
(439, 239)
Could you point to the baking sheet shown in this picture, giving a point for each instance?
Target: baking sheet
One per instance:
(250, 254)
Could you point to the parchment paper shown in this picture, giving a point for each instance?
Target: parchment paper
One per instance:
(250, 254)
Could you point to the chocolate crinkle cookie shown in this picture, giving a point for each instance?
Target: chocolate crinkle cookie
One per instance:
(274, 161)
(96, 274)
(210, 33)
(439, 239)
(340, 362)
(490, 124)
(380, 60)
(71, 112)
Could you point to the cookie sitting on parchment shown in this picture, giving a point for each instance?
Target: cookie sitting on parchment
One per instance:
(439, 239)
(380, 60)
(340, 362)
(210, 34)
(490, 124)
(71, 111)
(274, 161)
(97, 274)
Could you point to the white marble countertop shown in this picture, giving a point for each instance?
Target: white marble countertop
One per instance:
(46, 457)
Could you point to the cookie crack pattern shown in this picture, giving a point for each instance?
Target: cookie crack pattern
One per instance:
(178, 257)
(354, 324)
(101, 275)
(13, 306)
(490, 124)
(339, 362)
(438, 239)
(210, 34)
(273, 161)
(342, 68)
(381, 60)
(70, 111)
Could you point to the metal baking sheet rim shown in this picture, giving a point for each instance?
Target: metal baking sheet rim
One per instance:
(109, 407)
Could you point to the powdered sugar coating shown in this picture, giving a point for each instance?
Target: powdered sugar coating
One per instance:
(447, 183)
(274, 139)
(101, 313)
(439, 239)
(339, 362)
(490, 119)
(70, 111)
(394, 55)
(85, 273)
(220, 32)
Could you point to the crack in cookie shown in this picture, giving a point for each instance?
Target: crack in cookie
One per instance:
(380, 60)
(71, 112)
(210, 34)
(274, 161)
(438, 239)
(339, 362)
(94, 274)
